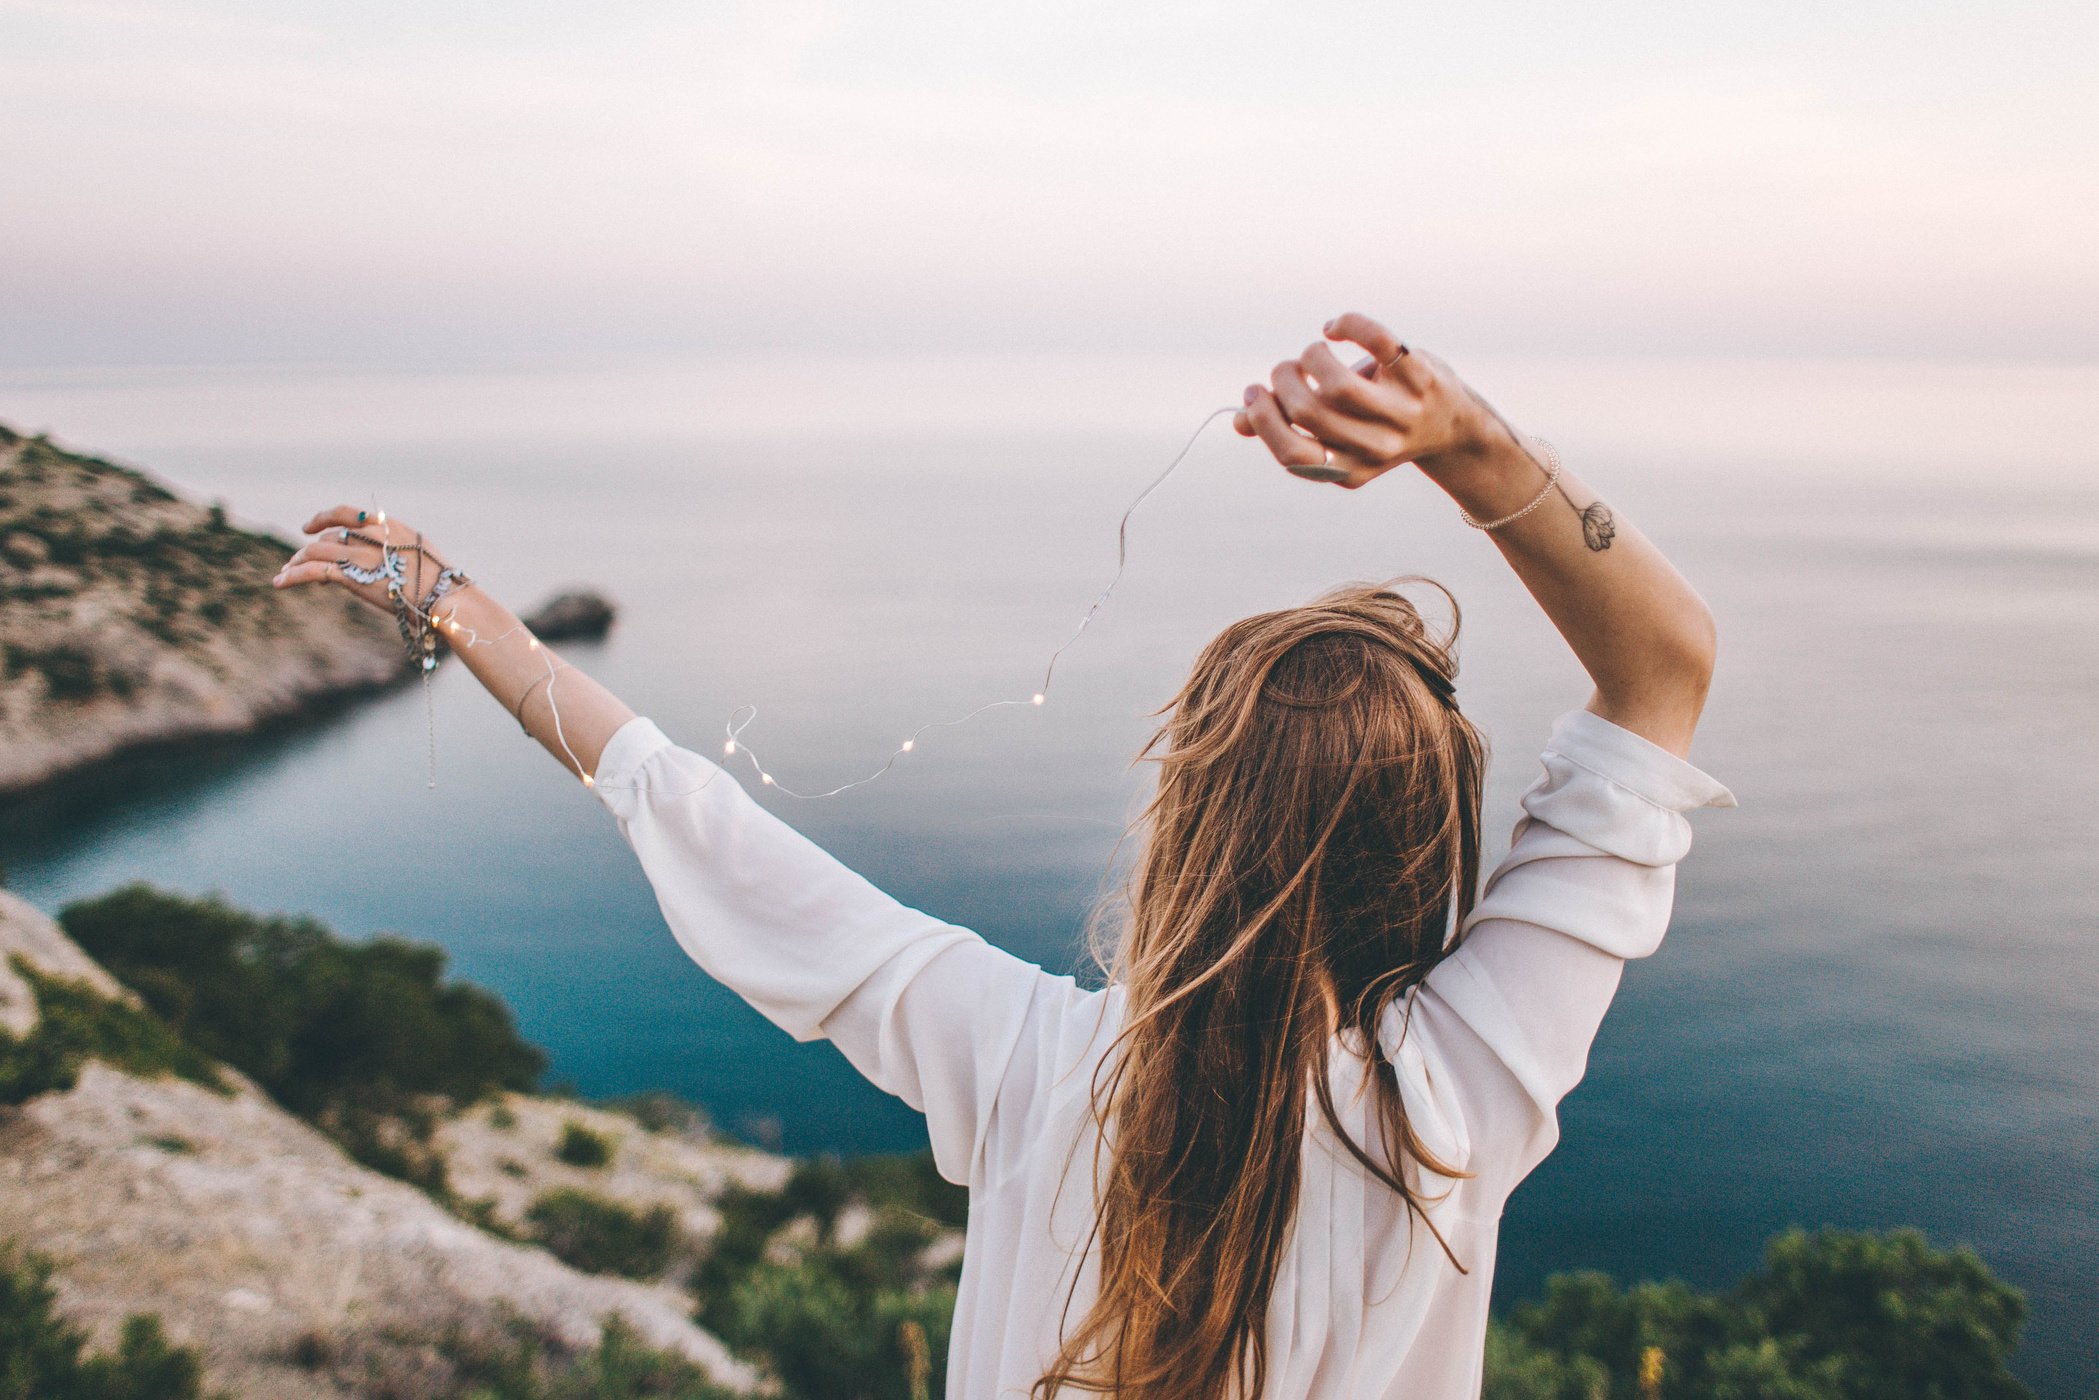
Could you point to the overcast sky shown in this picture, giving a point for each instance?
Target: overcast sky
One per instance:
(467, 183)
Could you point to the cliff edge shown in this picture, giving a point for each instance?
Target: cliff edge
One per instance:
(294, 1271)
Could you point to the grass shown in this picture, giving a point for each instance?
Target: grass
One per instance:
(75, 1024)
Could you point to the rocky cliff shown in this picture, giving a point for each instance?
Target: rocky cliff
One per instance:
(295, 1271)
(130, 616)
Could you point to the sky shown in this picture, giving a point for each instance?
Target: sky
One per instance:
(478, 186)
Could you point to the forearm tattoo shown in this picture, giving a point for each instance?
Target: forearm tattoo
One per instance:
(1599, 526)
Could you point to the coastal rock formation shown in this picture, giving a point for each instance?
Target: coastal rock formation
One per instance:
(576, 615)
(130, 616)
(295, 1271)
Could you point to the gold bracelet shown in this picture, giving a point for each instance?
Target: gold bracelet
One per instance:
(1552, 480)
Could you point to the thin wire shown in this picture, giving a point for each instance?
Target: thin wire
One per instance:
(743, 716)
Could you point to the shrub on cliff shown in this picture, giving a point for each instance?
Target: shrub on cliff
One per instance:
(527, 1366)
(365, 1040)
(833, 1321)
(1833, 1315)
(602, 1236)
(75, 1024)
(43, 1357)
(580, 1146)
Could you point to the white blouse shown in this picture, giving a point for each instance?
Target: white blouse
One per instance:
(999, 1054)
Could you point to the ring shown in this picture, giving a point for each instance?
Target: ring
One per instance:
(360, 517)
(1397, 355)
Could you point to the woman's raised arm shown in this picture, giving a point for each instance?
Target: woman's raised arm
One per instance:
(351, 550)
(1644, 636)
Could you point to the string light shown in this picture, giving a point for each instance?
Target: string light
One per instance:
(743, 716)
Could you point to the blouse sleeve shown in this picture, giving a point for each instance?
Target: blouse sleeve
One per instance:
(1500, 1030)
(927, 1011)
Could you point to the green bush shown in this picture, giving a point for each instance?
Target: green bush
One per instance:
(1833, 1315)
(44, 1358)
(829, 1321)
(826, 1335)
(581, 1147)
(76, 1023)
(364, 1040)
(601, 1236)
(525, 1366)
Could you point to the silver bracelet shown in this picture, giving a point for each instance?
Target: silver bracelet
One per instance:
(518, 711)
(1552, 481)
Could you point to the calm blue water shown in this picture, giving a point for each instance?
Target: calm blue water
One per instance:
(1878, 1002)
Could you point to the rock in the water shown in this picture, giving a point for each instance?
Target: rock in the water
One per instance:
(578, 613)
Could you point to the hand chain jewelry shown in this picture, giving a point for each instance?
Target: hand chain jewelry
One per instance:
(348, 535)
(449, 580)
(389, 568)
(413, 617)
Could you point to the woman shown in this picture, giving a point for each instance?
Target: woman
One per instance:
(1322, 1066)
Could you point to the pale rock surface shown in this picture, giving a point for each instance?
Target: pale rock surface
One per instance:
(513, 1166)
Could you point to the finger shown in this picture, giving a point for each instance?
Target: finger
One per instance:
(329, 550)
(1388, 351)
(312, 571)
(1337, 430)
(1330, 471)
(1349, 390)
(347, 515)
(1241, 423)
(1285, 444)
(1342, 469)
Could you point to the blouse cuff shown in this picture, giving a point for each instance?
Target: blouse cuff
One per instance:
(1620, 756)
(1615, 792)
(617, 781)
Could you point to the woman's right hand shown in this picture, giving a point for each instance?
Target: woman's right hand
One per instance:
(347, 535)
(1328, 422)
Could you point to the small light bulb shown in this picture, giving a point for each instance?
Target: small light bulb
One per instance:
(532, 643)
(382, 517)
(907, 744)
(1039, 698)
(729, 747)
(766, 778)
(589, 781)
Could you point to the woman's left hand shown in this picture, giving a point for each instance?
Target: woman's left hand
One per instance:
(1328, 422)
(347, 536)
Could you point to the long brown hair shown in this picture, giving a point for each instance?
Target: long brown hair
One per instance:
(1311, 851)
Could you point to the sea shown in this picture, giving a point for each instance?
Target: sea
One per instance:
(1878, 1004)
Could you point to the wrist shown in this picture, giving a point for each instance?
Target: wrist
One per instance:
(1490, 473)
(469, 609)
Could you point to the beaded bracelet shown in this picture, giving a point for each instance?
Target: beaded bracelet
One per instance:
(1552, 480)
